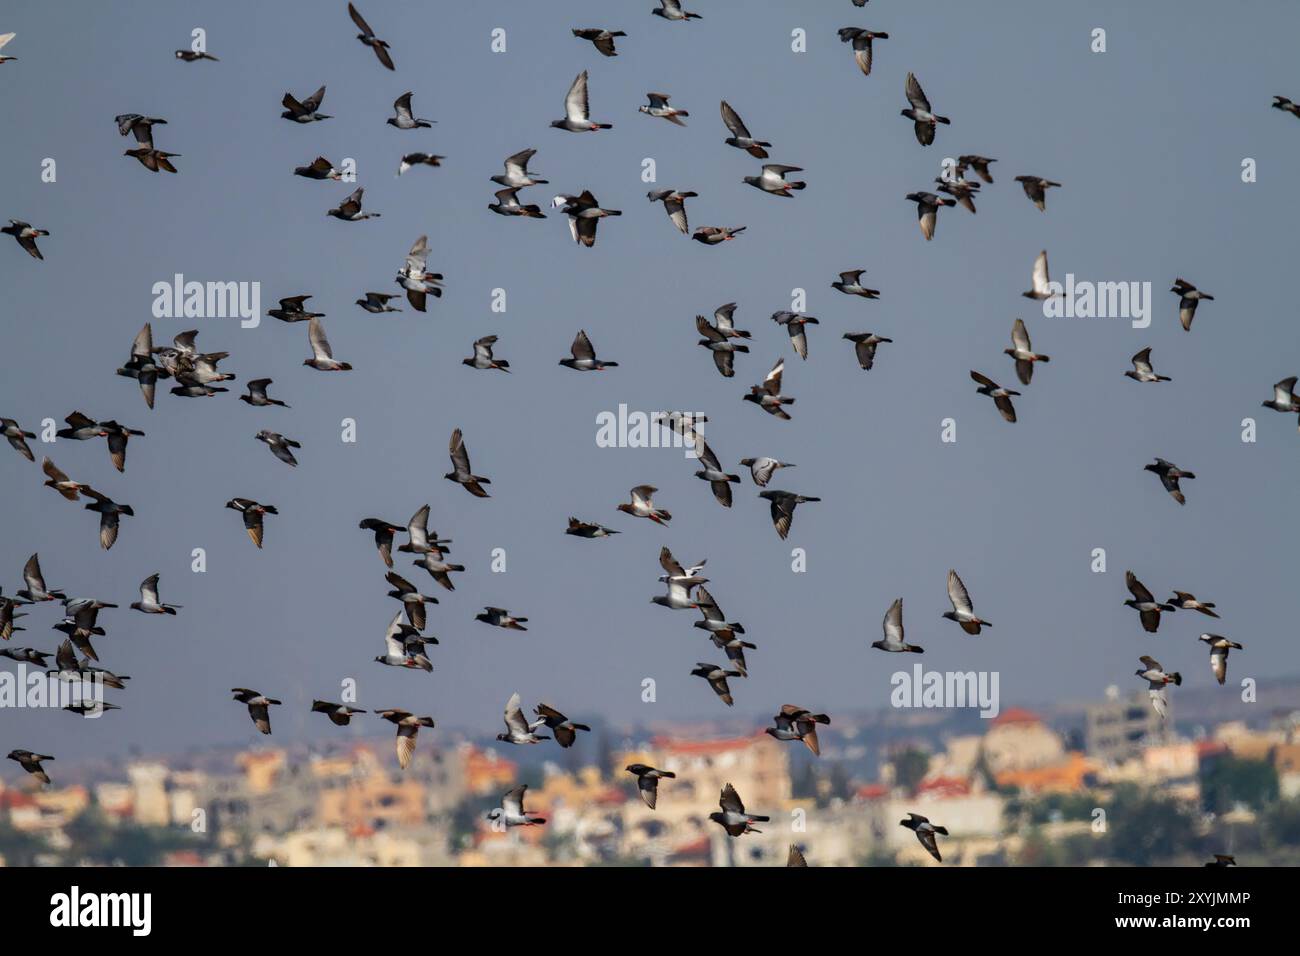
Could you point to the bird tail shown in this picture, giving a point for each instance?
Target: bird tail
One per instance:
(942, 831)
(819, 718)
(604, 126)
(943, 119)
(581, 727)
(798, 185)
(1177, 678)
(1044, 358)
(758, 819)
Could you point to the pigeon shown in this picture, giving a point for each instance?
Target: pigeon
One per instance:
(679, 581)
(1219, 647)
(149, 602)
(961, 190)
(367, 36)
(740, 137)
(658, 106)
(719, 481)
(733, 817)
(584, 356)
(511, 813)
(1023, 353)
(768, 395)
(31, 762)
(963, 610)
(794, 323)
(893, 627)
(1223, 859)
(142, 367)
(258, 707)
(17, 439)
(508, 204)
(1170, 474)
(851, 284)
(412, 600)
(141, 127)
(26, 655)
(411, 160)
(293, 309)
(566, 730)
(1144, 602)
(60, 482)
(583, 529)
(643, 506)
(6, 37)
(7, 617)
(672, 10)
(500, 617)
(782, 508)
(322, 358)
(384, 532)
(1157, 680)
(1188, 298)
(404, 647)
(717, 678)
(26, 235)
(438, 569)
(861, 40)
(376, 303)
(306, 110)
(1279, 102)
(339, 714)
(1040, 282)
(36, 591)
(1036, 189)
(924, 119)
(761, 469)
(404, 118)
(1284, 397)
(647, 781)
(772, 180)
(518, 729)
(81, 428)
(257, 394)
(319, 168)
(577, 112)
(603, 40)
(418, 283)
(715, 235)
(117, 436)
(925, 832)
(482, 357)
(422, 541)
(1001, 396)
(279, 445)
(717, 625)
(978, 163)
(864, 346)
(728, 641)
(796, 723)
(1187, 602)
(674, 204)
(1142, 370)
(795, 857)
(349, 210)
(927, 210)
(460, 472)
(517, 174)
(98, 707)
(109, 513)
(584, 213)
(720, 344)
(408, 726)
(252, 512)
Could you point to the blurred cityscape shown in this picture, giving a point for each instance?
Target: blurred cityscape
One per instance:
(1103, 783)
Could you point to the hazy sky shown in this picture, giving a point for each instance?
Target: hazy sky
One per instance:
(1147, 139)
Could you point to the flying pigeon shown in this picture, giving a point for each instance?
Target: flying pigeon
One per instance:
(318, 168)
(1144, 602)
(258, 707)
(740, 136)
(925, 832)
(864, 346)
(978, 163)
(893, 626)
(349, 210)
(16, 437)
(861, 40)
(367, 36)
(511, 813)
(719, 481)
(1001, 396)
(963, 610)
(482, 357)
(279, 445)
(715, 235)
(404, 118)
(772, 180)
(322, 355)
(923, 118)
(577, 112)
(412, 600)
(376, 303)
(851, 284)
(796, 723)
(761, 469)
(60, 482)
(1219, 647)
(109, 514)
(795, 323)
(1036, 189)
(927, 210)
(149, 602)
(1187, 602)
(1023, 352)
(517, 174)
(1170, 474)
(252, 512)
(26, 235)
(1188, 298)
(584, 529)
(717, 678)
(1142, 370)
(411, 160)
(602, 39)
(461, 473)
(566, 730)
(519, 730)
(507, 204)
(339, 714)
(782, 507)
(647, 781)
(720, 344)
(674, 204)
(408, 726)
(303, 111)
(1157, 680)
(672, 10)
(768, 395)
(733, 817)
(31, 762)
(500, 617)
(583, 357)
(257, 394)
(418, 283)
(658, 106)
(584, 213)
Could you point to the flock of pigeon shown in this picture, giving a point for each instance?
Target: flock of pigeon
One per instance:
(406, 643)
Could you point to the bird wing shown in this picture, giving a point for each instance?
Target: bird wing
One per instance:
(459, 455)
(149, 589)
(575, 101)
(1020, 336)
(359, 21)
(733, 121)
(772, 383)
(729, 800)
(916, 95)
(666, 559)
(320, 346)
(1137, 588)
(582, 348)
(1038, 277)
(514, 716)
(893, 623)
(958, 594)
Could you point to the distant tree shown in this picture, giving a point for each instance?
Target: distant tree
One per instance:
(1228, 780)
(1281, 823)
(19, 848)
(1144, 828)
(910, 767)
